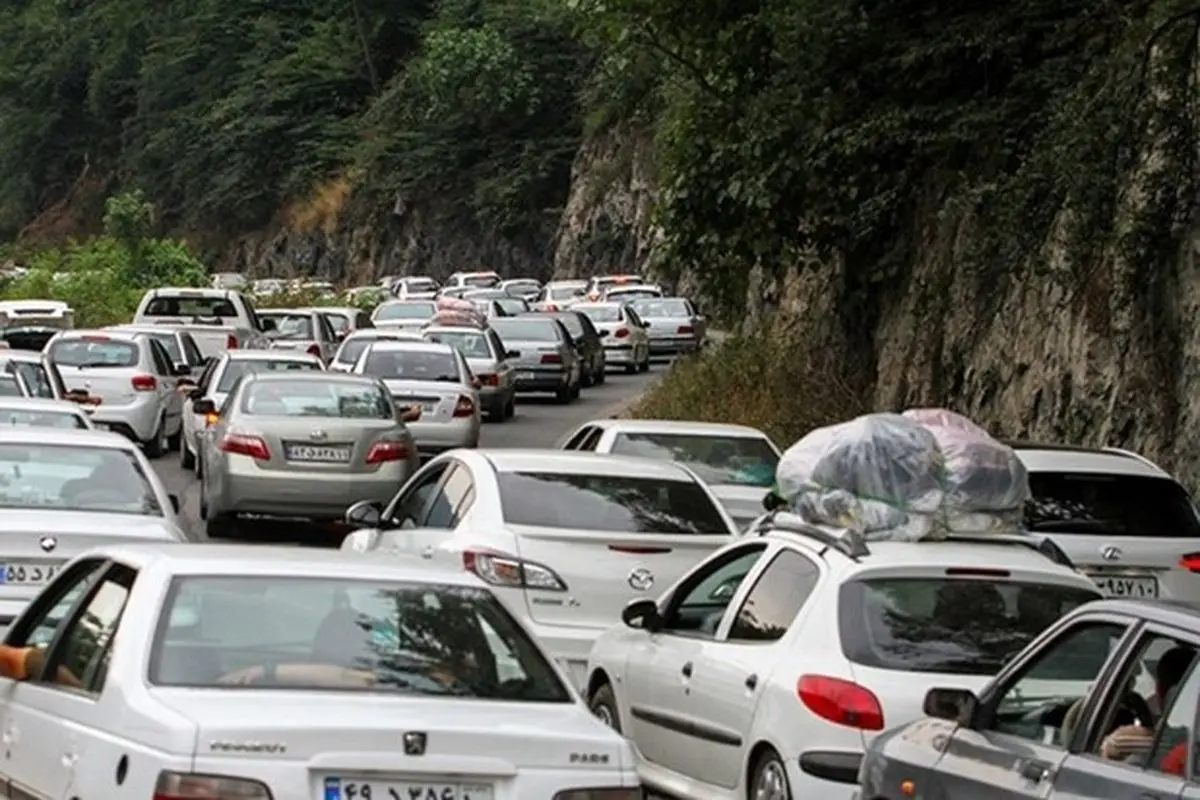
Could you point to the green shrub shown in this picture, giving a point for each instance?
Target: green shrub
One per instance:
(759, 379)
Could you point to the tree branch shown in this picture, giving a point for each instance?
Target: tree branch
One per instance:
(693, 70)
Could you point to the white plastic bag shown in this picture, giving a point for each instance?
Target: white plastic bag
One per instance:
(985, 483)
(879, 475)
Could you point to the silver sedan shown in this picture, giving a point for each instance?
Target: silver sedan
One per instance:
(488, 361)
(673, 324)
(303, 444)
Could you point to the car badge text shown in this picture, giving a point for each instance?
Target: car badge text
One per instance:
(414, 743)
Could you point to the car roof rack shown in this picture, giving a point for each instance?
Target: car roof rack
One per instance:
(848, 543)
(1042, 544)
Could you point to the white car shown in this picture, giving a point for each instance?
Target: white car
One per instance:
(276, 673)
(353, 345)
(414, 314)
(1123, 519)
(622, 333)
(767, 669)
(217, 381)
(303, 330)
(133, 380)
(567, 539)
(414, 287)
(65, 491)
(737, 462)
(38, 412)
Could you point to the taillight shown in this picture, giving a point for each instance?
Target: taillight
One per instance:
(231, 342)
(314, 350)
(550, 307)
(465, 406)
(621, 333)
(182, 786)
(684, 329)
(841, 702)
(489, 380)
(1190, 561)
(551, 358)
(501, 569)
(387, 451)
(242, 445)
(144, 383)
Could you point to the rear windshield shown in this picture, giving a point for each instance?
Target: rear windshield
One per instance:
(236, 370)
(290, 398)
(74, 478)
(199, 307)
(94, 353)
(480, 281)
(324, 634)
(339, 322)
(29, 418)
(565, 292)
(1109, 505)
(965, 626)
(521, 287)
(471, 345)
(729, 460)
(290, 326)
(608, 503)
(527, 330)
(421, 285)
(412, 365)
(168, 341)
(356, 345)
(513, 305)
(572, 324)
(603, 313)
(405, 311)
(629, 295)
(9, 387)
(661, 308)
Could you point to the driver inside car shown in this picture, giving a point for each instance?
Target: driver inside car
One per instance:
(1137, 740)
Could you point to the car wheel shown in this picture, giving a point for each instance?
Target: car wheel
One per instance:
(577, 388)
(176, 442)
(632, 366)
(563, 394)
(498, 411)
(603, 704)
(221, 526)
(586, 378)
(768, 779)
(510, 408)
(157, 444)
(645, 365)
(187, 459)
(602, 374)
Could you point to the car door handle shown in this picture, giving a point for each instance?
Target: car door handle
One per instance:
(687, 670)
(1035, 771)
(751, 682)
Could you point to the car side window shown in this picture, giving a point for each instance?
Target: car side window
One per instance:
(191, 353)
(696, 608)
(633, 318)
(1072, 662)
(158, 354)
(496, 345)
(592, 440)
(577, 440)
(207, 375)
(589, 330)
(444, 508)
(38, 626)
(79, 658)
(327, 333)
(363, 320)
(1176, 735)
(410, 504)
(776, 597)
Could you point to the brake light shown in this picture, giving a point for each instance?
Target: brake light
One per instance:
(500, 569)
(551, 358)
(1190, 561)
(182, 786)
(144, 383)
(381, 452)
(465, 406)
(314, 350)
(841, 702)
(640, 550)
(231, 342)
(94, 338)
(489, 380)
(977, 572)
(550, 307)
(242, 445)
(621, 333)
(684, 329)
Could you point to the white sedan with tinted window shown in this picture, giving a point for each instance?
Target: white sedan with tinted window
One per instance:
(212, 673)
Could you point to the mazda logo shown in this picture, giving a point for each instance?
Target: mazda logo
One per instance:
(48, 543)
(641, 579)
(1110, 553)
(414, 743)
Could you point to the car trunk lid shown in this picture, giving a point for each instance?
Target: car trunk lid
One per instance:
(436, 398)
(319, 444)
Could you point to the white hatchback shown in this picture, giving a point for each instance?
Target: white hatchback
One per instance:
(212, 672)
(766, 670)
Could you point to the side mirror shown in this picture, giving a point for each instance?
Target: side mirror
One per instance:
(512, 354)
(174, 498)
(364, 514)
(957, 705)
(603, 332)
(182, 370)
(645, 324)
(268, 324)
(204, 406)
(642, 614)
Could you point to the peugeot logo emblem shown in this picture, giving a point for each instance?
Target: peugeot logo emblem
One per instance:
(641, 579)
(48, 543)
(414, 743)
(1110, 553)
(318, 435)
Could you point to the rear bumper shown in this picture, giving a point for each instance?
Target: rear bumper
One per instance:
(569, 646)
(835, 766)
(673, 346)
(541, 380)
(309, 495)
(137, 421)
(619, 354)
(436, 437)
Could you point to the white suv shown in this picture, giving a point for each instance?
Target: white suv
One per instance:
(768, 668)
(1123, 519)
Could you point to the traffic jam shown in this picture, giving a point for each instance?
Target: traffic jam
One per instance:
(896, 606)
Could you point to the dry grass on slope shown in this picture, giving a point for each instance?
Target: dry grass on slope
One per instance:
(758, 379)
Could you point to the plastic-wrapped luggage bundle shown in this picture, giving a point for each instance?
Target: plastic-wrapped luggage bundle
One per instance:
(879, 475)
(985, 483)
(455, 311)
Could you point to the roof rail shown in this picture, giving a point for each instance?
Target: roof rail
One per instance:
(1018, 444)
(1118, 451)
(848, 543)
(1044, 545)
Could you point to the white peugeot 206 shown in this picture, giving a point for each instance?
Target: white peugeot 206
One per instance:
(206, 672)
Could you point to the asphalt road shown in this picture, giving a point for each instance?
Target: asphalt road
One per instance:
(539, 422)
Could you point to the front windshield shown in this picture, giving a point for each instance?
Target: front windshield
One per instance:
(74, 478)
(94, 352)
(290, 326)
(236, 370)
(526, 330)
(324, 634)
(412, 365)
(963, 626)
(471, 345)
(392, 311)
(717, 459)
(661, 308)
(40, 418)
(300, 398)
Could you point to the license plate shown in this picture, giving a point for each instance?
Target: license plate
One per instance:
(308, 452)
(352, 789)
(1118, 586)
(19, 573)
(525, 376)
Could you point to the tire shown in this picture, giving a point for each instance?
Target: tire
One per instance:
(576, 389)
(632, 366)
(216, 526)
(602, 374)
(158, 443)
(587, 378)
(564, 394)
(176, 442)
(768, 779)
(510, 408)
(498, 412)
(187, 459)
(603, 705)
(645, 365)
